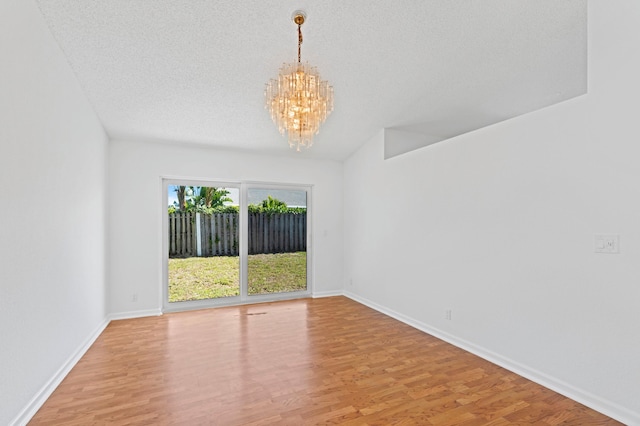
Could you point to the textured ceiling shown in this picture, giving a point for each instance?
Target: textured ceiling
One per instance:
(194, 71)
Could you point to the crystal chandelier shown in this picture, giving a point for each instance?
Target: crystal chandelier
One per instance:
(298, 100)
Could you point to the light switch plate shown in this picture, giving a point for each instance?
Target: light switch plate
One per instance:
(607, 243)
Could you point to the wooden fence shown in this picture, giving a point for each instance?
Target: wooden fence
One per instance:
(204, 235)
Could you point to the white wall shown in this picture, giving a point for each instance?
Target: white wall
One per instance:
(52, 232)
(498, 226)
(135, 174)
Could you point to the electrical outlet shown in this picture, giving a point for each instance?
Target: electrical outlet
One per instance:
(134, 297)
(447, 314)
(609, 243)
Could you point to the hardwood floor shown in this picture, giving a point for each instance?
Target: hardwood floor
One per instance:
(301, 362)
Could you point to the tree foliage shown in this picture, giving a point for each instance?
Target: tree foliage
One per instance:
(274, 206)
(211, 200)
(200, 199)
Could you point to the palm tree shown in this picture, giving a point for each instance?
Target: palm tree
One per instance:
(199, 198)
(181, 192)
(214, 197)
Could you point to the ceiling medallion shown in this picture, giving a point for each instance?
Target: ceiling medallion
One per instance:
(298, 100)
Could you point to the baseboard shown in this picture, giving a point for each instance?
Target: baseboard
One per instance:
(45, 392)
(135, 314)
(319, 294)
(594, 402)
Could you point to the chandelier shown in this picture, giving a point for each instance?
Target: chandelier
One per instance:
(298, 100)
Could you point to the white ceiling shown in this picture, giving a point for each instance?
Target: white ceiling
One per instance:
(193, 71)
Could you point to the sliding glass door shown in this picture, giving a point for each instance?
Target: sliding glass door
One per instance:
(277, 240)
(203, 242)
(229, 243)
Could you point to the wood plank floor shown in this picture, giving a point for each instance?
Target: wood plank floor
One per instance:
(301, 362)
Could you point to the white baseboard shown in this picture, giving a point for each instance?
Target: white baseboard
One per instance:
(135, 314)
(319, 294)
(45, 392)
(595, 402)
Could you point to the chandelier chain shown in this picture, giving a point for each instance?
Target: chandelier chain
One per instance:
(299, 40)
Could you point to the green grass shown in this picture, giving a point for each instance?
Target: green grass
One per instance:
(277, 273)
(198, 278)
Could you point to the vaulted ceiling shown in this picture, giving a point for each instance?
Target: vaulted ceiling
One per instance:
(193, 71)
